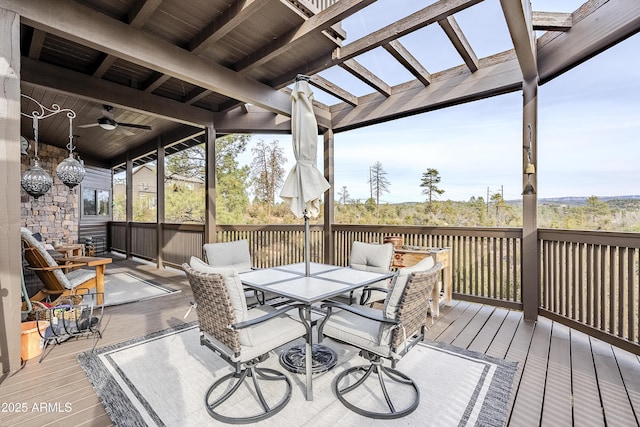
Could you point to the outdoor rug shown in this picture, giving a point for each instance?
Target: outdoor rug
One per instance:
(122, 288)
(161, 379)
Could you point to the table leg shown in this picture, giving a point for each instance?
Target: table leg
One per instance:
(435, 301)
(309, 353)
(100, 283)
(446, 281)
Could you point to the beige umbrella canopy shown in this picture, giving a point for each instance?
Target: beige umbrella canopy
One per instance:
(305, 184)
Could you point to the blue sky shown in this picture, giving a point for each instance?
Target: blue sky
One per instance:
(588, 124)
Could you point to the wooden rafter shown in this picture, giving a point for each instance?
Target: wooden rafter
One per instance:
(137, 17)
(518, 16)
(551, 21)
(404, 57)
(297, 36)
(334, 90)
(141, 48)
(37, 42)
(366, 76)
(457, 37)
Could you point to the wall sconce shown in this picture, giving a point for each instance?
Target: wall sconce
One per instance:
(36, 181)
(529, 169)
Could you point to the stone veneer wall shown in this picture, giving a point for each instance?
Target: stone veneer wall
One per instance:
(55, 215)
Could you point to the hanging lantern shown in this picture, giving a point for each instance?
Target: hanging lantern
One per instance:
(70, 171)
(36, 181)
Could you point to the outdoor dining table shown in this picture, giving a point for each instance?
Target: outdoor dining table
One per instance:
(323, 282)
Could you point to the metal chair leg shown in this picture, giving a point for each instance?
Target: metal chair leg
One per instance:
(256, 374)
(383, 374)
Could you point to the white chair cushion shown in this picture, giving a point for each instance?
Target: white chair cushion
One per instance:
(231, 281)
(359, 331)
(371, 256)
(26, 234)
(394, 295)
(78, 277)
(229, 254)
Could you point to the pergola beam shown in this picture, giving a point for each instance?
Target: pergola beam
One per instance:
(333, 90)
(551, 21)
(366, 76)
(518, 16)
(296, 37)
(459, 41)
(408, 61)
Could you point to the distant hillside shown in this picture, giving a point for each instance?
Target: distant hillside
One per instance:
(581, 201)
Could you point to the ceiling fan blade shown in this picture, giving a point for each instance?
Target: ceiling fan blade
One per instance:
(133, 125)
(90, 125)
(124, 131)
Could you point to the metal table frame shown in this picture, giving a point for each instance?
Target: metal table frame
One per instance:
(323, 282)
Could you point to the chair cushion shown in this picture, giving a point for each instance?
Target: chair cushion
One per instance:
(359, 331)
(371, 256)
(78, 277)
(231, 281)
(229, 254)
(26, 235)
(393, 296)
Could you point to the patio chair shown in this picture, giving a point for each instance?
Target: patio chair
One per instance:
(369, 257)
(388, 333)
(58, 281)
(243, 338)
(234, 254)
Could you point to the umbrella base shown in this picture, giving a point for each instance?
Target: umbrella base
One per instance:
(293, 359)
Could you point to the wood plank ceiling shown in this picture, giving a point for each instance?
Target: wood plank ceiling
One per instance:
(177, 66)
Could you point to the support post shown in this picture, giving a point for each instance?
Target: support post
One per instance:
(210, 205)
(129, 204)
(530, 252)
(160, 217)
(329, 253)
(10, 221)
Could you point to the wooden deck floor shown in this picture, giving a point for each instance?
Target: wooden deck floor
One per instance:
(564, 377)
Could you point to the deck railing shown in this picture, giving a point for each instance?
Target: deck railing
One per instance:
(588, 280)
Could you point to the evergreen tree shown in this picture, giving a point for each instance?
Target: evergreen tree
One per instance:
(378, 182)
(344, 195)
(430, 180)
(267, 171)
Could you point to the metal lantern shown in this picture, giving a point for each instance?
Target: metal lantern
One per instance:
(70, 171)
(36, 181)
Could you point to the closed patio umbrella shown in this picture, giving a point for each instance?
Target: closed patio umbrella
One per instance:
(305, 184)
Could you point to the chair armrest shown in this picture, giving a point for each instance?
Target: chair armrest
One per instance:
(355, 310)
(275, 313)
(58, 267)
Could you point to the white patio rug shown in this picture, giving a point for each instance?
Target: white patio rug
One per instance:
(122, 288)
(161, 379)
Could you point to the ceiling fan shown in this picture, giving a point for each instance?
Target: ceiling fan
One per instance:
(107, 122)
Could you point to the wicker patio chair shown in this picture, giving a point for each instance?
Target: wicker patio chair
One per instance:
(243, 338)
(382, 334)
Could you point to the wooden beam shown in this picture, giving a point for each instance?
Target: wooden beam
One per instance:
(496, 75)
(155, 82)
(455, 34)
(404, 57)
(551, 21)
(37, 42)
(334, 90)
(141, 11)
(251, 119)
(366, 76)
(296, 37)
(98, 90)
(10, 219)
(196, 95)
(518, 16)
(91, 28)
(238, 13)
(596, 27)
(420, 19)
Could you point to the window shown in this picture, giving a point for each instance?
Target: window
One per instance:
(95, 202)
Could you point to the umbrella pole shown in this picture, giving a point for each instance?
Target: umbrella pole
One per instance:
(307, 246)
